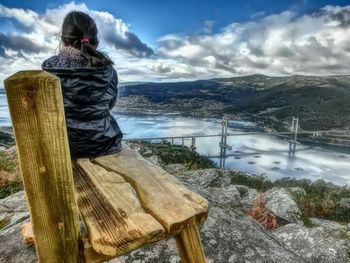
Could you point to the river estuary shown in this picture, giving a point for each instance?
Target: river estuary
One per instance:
(256, 154)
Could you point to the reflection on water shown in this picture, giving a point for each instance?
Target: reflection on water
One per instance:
(258, 154)
(4, 112)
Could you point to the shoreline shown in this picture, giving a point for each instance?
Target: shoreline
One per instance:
(276, 125)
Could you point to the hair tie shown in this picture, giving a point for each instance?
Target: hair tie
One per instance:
(84, 40)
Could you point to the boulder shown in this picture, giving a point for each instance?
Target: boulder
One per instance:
(229, 235)
(282, 203)
(242, 189)
(13, 249)
(318, 244)
(249, 198)
(13, 209)
(203, 177)
(227, 196)
(175, 168)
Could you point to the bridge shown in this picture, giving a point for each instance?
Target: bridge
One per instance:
(292, 134)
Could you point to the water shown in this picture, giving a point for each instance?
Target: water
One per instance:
(4, 113)
(256, 154)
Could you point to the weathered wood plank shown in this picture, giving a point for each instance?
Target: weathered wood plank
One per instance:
(37, 114)
(190, 246)
(90, 255)
(173, 205)
(115, 220)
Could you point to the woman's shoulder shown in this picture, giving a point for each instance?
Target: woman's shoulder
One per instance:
(50, 62)
(62, 60)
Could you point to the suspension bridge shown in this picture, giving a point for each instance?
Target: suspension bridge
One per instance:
(292, 134)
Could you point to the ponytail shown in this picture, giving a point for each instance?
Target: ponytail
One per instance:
(94, 57)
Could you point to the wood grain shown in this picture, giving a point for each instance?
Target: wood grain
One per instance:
(38, 120)
(173, 205)
(190, 246)
(115, 220)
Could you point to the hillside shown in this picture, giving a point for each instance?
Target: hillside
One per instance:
(319, 102)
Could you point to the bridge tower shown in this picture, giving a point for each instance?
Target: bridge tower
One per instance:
(223, 143)
(294, 130)
(193, 144)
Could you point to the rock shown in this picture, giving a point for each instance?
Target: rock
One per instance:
(207, 177)
(242, 189)
(281, 202)
(227, 196)
(248, 199)
(227, 236)
(318, 244)
(175, 168)
(223, 180)
(331, 225)
(13, 209)
(13, 249)
(203, 177)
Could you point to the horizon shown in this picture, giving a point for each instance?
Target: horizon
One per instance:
(232, 77)
(281, 39)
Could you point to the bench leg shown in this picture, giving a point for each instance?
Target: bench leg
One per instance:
(189, 245)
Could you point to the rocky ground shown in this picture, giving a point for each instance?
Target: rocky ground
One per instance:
(229, 234)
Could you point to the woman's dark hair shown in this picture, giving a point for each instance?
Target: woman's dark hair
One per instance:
(80, 31)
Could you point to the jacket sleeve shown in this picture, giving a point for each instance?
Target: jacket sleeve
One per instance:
(115, 90)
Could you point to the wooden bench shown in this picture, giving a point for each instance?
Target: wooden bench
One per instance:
(125, 201)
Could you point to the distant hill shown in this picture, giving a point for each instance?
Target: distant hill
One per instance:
(320, 102)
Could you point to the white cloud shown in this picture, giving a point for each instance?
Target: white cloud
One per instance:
(26, 49)
(279, 44)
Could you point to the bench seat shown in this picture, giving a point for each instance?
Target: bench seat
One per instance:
(127, 202)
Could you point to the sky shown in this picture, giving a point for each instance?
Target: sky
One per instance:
(169, 40)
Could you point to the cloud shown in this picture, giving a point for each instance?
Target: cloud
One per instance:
(18, 43)
(280, 44)
(43, 29)
(257, 14)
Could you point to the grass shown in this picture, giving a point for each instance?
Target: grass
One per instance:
(169, 154)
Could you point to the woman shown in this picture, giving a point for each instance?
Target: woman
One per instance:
(89, 86)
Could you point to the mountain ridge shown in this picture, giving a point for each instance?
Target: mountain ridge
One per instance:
(319, 101)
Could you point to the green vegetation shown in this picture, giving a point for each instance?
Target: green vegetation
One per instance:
(8, 161)
(176, 154)
(11, 188)
(8, 166)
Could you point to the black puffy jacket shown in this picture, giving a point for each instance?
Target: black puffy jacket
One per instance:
(89, 94)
